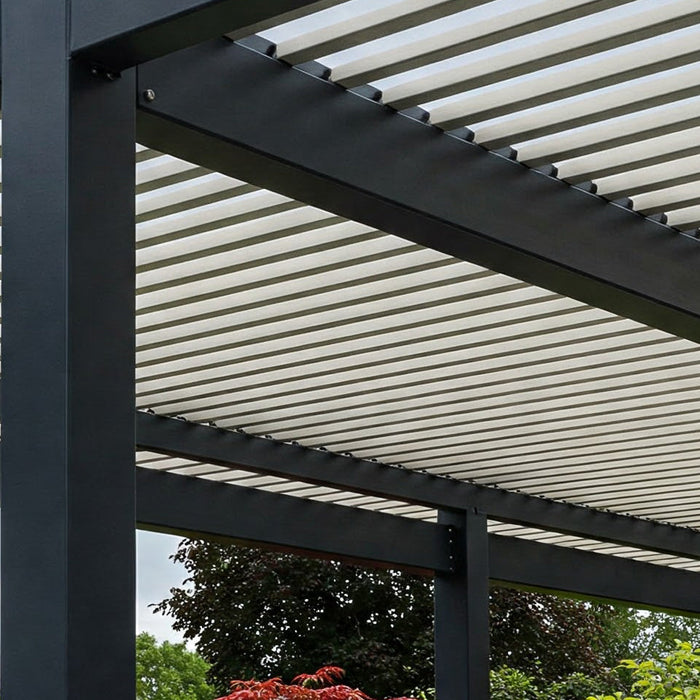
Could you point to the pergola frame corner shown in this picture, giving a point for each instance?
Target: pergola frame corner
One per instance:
(95, 77)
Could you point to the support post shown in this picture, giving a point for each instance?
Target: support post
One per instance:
(462, 612)
(68, 514)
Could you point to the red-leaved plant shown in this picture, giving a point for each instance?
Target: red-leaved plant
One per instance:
(322, 685)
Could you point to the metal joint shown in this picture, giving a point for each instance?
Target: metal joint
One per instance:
(452, 548)
(105, 73)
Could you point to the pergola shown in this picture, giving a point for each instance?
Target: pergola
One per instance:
(414, 283)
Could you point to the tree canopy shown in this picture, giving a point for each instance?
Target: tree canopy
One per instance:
(258, 614)
(169, 672)
(550, 637)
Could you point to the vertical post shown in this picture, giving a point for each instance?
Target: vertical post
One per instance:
(68, 523)
(462, 612)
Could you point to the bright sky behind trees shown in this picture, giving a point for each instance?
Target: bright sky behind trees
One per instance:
(156, 574)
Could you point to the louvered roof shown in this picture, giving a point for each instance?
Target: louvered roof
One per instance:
(261, 313)
(606, 90)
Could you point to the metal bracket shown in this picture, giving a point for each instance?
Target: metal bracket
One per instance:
(452, 547)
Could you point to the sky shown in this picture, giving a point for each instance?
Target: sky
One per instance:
(155, 576)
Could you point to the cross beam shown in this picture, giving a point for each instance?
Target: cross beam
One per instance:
(195, 507)
(234, 110)
(238, 450)
(568, 571)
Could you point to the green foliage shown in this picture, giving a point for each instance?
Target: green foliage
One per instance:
(428, 694)
(656, 633)
(512, 684)
(169, 672)
(573, 687)
(675, 677)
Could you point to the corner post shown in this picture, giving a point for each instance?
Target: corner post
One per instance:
(462, 612)
(68, 514)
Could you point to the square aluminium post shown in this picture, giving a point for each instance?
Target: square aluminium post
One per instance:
(462, 611)
(68, 525)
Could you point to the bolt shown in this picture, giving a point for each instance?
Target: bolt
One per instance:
(149, 95)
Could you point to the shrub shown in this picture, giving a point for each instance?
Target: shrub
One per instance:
(321, 685)
(676, 677)
(512, 684)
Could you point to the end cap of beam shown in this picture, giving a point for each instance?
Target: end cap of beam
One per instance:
(259, 44)
(506, 152)
(464, 133)
(660, 217)
(587, 186)
(624, 202)
(548, 169)
(369, 92)
(417, 113)
(318, 70)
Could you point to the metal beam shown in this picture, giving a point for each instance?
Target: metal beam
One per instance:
(239, 450)
(526, 564)
(194, 507)
(118, 34)
(462, 612)
(242, 113)
(68, 512)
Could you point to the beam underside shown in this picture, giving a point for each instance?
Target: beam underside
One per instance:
(180, 505)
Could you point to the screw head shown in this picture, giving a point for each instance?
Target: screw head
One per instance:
(149, 95)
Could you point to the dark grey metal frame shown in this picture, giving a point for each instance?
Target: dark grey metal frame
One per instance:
(75, 75)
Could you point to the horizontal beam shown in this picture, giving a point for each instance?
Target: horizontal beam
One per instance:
(533, 565)
(192, 507)
(118, 34)
(241, 451)
(234, 110)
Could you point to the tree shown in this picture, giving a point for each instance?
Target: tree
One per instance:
(169, 672)
(657, 632)
(258, 614)
(550, 638)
